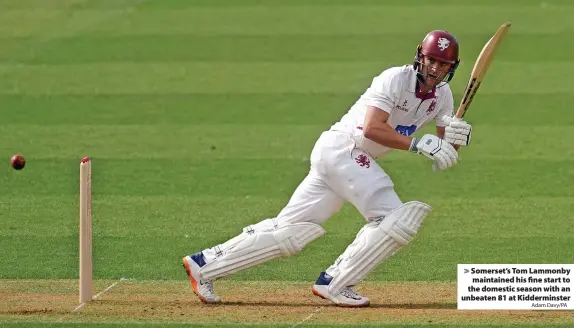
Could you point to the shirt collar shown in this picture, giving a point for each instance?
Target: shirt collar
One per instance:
(412, 87)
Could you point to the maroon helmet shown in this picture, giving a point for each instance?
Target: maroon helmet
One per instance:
(439, 45)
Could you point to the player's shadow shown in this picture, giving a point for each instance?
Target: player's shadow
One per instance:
(269, 304)
(376, 306)
(416, 306)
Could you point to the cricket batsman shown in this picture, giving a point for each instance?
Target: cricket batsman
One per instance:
(399, 101)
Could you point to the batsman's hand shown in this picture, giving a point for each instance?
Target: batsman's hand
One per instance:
(458, 132)
(441, 152)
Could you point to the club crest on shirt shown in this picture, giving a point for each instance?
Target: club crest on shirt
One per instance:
(431, 107)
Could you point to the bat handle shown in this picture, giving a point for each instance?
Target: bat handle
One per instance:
(460, 113)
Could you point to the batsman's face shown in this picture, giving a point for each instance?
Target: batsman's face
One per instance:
(434, 70)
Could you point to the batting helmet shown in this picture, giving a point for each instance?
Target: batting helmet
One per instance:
(439, 45)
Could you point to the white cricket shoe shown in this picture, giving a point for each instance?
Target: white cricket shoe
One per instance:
(346, 298)
(202, 288)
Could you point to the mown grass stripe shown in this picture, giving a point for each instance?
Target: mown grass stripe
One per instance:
(301, 48)
(256, 109)
(261, 77)
(126, 19)
(203, 144)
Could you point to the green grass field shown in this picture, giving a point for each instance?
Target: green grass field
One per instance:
(199, 117)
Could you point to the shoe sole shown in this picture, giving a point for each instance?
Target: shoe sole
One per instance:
(194, 282)
(316, 293)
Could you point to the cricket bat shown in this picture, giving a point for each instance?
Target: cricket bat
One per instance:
(480, 68)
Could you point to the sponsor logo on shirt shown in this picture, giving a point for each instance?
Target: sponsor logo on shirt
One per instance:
(403, 107)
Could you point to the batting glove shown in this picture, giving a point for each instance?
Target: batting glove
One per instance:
(458, 132)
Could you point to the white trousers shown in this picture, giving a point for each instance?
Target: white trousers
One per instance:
(339, 173)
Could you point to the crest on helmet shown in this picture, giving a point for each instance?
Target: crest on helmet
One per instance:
(443, 43)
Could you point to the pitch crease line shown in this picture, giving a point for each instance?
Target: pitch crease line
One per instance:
(308, 317)
(99, 294)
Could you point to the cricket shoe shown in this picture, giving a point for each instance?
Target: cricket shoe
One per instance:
(346, 298)
(202, 288)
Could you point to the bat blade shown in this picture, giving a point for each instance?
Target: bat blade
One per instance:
(480, 68)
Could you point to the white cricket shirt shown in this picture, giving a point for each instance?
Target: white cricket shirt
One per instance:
(394, 91)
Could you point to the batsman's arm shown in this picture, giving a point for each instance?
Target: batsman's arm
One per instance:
(378, 130)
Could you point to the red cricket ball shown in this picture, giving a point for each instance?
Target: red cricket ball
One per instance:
(18, 162)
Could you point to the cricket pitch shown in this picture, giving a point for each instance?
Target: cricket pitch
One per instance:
(253, 302)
